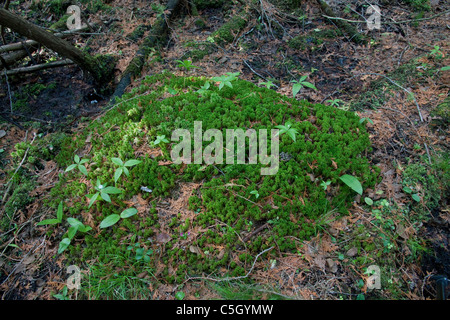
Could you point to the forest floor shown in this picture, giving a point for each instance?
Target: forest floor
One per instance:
(395, 80)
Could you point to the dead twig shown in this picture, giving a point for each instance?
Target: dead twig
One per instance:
(231, 278)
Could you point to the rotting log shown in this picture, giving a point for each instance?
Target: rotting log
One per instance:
(158, 36)
(346, 27)
(99, 67)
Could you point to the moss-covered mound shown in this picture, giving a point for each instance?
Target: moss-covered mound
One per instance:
(229, 202)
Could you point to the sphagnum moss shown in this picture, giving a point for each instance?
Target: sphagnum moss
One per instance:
(330, 142)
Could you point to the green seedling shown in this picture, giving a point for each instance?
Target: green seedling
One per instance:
(335, 103)
(362, 120)
(141, 253)
(204, 88)
(103, 191)
(112, 219)
(325, 185)
(414, 195)
(123, 167)
(226, 80)
(78, 164)
(287, 128)
(75, 226)
(187, 64)
(300, 84)
(160, 139)
(268, 84)
(59, 215)
(436, 51)
(255, 192)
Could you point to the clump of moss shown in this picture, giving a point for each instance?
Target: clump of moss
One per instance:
(225, 207)
(228, 32)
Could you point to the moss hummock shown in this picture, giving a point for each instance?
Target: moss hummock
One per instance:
(222, 210)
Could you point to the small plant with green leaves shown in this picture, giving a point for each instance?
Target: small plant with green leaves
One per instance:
(287, 128)
(335, 102)
(59, 216)
(79, 163)
(75, 226)
(255, 193)
(63, 295)
(204, 88)
(413, 194)
(123, 167)
(436, 52)
(142, 254)
(325, 184)
(300, 84)
(362, 120)
(160, 139)
(112, 219)
(226, 80)
(269, 84)
(103, 191)
(187, 64)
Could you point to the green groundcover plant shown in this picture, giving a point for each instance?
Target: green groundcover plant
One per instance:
(320, 144)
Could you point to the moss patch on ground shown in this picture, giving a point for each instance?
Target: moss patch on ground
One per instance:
(206, 233)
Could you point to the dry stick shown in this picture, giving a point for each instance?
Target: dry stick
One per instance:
(262, 77)
(9, 91)
(20, 45)
(393, 22)
(231, 278)
(38, 67)
(12, 177)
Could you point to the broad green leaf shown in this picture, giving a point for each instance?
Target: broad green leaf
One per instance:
(131, 163)
(74, 222)
(71, 167)
(84, 161)
(93, 198)
(352, 182)
(415, 197)
(179, 295)
(111, 190)
(126, 171)
(291, 134)
(128, 213)
(48, 221)
(368, 201)
(72, 231)
(118, 173)
(309, 85)
(117, 161)
(63, 245)
(84, 228)
(59, 212)
(407, 190)
(109, 221)
(105, 196)
(77, 158)
(446, 68)
(296, 88)
(83, 169)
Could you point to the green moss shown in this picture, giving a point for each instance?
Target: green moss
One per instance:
(204, 4)
(289, 197)
(227, 32)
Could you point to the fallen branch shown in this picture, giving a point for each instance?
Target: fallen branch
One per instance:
(355, 36)
(158, 35)
(20, 45)
(38, 67)
(231, 278)
(101, 68)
